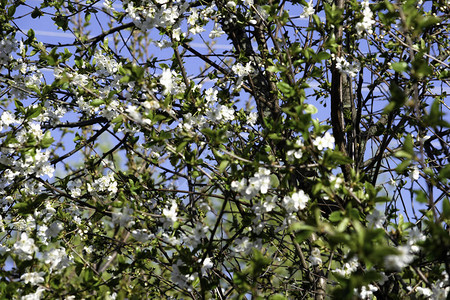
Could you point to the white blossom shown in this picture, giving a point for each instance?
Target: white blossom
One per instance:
(105, 183)
(34, 296)
(400, 261)
(296, 202)
(243, 245)
(252, 118)
(366, 292)
(348, 268)
(441, 288)
(142, 235)
(315, 258)
(241, 70)
(8, 45)
(170, 214)
(327, 141)
(169, 80)
(415, 173)
(25, 247)
(415, 235)
(426, 292)
(57, 259)
(376, 219)
(105, 66)
(124, 218)
(366, 25)
(216, 32)
(221, 113)
(308, 10)
(7, 119)
(259, 183)
(296, 153)
(350, 69)
(33, 278)
(207, 264)
(180, 279)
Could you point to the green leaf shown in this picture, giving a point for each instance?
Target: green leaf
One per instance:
(335, 216)
(322, 56)
(337, 158)
(97, 102)
(400, 67)
(47, 140)
(274, 181)
(420, 68)
(311, 109)
(285, 88)
(397, 100)
(62, 22)
(33, 112)
(277, 297)
(436, 116)
(408, 146)
(421, 196)
(36, 13)
(401, 168)
(223, 165)
(444, 173)
(11, 10)
(446, 209)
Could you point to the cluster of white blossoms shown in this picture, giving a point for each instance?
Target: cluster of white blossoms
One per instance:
(327, 141)
(242, 71)
(297, 201)
(367, 23)
(190, 122)
(57, 259)
(376, 219)
(32, 76)
(220, 113)
(308, 10)
(296, 153)
(350, 69)
(7, 46)
(260, 182)
(244, 245)
(259, 209)
(170, 214)
(124, 217)
(25, 247)
(105, 183)
(171, 82)
(33, 278)
(29, 163)
(366, 292)
(439, 290)
(150, 15)
(347, 268)
(216, 32)
(198, 233)
(105, 65)
(315, 257)
(76, 79)
(406, 255)
(182, 280)
(6, 120)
